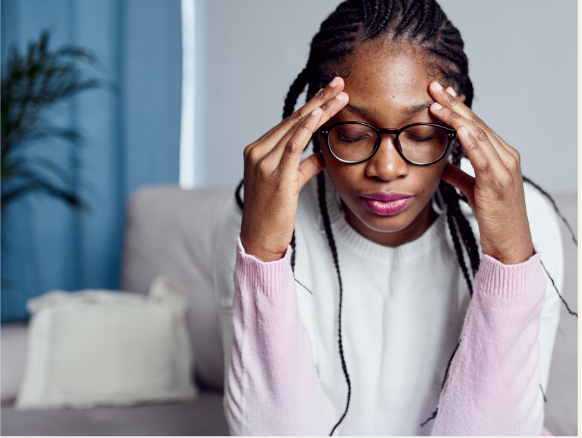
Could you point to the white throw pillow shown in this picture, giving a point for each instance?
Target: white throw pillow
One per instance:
(98, 347)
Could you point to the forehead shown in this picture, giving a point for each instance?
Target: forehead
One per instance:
(388, 77)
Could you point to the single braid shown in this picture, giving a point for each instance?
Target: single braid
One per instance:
(374, 24)
(237, 196)
(411, 15)
(554, 284)
(370, 12)
(425, 17)
(296, 89)
(437, 18)
(293, 252)
(387, 14)
(467, 235)
(547, 195)
(543, 393)
(333, 249)
(449, 364)
(435, 412)
(462, 223)
(449, 193)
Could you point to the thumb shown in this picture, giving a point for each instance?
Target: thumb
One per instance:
(460, 180)
(310, 167)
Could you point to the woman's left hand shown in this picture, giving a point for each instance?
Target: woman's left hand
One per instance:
(496, 193)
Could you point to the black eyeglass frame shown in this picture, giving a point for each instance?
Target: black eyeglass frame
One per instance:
(451, 135)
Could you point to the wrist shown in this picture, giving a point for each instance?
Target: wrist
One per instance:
(513, 256)
(261, 253)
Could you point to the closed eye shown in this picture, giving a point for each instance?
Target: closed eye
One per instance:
(420, 139)
(343, 137)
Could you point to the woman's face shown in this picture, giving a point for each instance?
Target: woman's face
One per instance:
(387, 88)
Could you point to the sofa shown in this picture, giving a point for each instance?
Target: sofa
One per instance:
(171, 231)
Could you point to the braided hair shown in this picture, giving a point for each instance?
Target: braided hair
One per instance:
(423, 23)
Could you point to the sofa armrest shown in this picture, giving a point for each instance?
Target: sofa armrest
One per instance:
(172, 231)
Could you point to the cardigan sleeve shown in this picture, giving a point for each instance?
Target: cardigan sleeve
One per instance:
(494, 382)
(273, 387)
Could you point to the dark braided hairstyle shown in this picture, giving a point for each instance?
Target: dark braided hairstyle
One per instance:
(424, 24)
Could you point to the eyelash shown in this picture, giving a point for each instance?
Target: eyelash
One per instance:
(349, 139)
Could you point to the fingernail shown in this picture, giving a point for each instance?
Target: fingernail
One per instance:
(334, 82)
(316, 111)
(437, 106)
(341, 96)
(439, 86)
(451, 90)
(463, 130)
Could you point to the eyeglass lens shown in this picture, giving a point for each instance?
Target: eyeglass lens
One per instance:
(420, 144)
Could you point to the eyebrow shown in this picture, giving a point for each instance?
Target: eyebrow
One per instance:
(409, 110)
(357, 110)
(417, 108)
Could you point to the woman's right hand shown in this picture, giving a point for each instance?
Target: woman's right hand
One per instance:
(274, 174)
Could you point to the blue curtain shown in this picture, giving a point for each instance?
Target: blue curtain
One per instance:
(131, 139)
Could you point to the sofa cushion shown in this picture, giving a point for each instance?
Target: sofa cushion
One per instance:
(170, 230)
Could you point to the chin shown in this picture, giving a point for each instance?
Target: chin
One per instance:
(387, 223)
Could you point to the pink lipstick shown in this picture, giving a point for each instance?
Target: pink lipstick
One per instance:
(386, 204)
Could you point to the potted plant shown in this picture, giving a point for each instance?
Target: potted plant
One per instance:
(32, 83)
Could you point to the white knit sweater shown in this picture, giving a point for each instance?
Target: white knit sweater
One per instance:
(403, 308)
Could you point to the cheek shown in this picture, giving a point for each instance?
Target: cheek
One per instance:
(343, 176)
(338, 172)
(428, 179)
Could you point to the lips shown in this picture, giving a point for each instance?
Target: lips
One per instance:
(386, 204)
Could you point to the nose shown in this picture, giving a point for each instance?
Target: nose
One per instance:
(387, 164)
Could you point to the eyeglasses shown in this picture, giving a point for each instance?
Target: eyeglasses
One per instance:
(420, 143)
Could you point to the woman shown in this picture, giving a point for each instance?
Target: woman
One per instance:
(365, 295)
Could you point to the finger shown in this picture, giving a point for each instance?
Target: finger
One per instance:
(321, 98)
(299, 136)
(476, 142)
(508, 155)
(502, 148)
(507, 147)
(288, 151)
(264, 145)
(310, 167)
(449, 99)
(460, 180)
(488, 167)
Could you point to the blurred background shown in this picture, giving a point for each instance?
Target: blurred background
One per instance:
(136, 93)
(240, 58)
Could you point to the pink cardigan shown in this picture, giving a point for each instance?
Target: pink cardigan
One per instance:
(493, 386)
